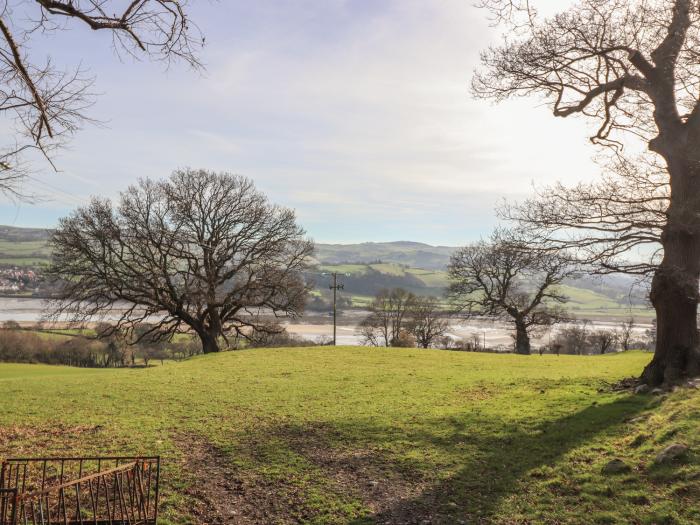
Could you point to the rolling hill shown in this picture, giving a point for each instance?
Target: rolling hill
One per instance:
(412, 254)
(586, 297)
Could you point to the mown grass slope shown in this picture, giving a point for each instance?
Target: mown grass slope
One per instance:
(360, 435)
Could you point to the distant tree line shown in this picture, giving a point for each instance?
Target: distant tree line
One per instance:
(400, 318)
(19, 345)
(324, 302)
(108, 348)
(580, 339)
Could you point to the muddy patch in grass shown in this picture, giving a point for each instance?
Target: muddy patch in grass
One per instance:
(366, 474)
(323, 482)
(221, 494)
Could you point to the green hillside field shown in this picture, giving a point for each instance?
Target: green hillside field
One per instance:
(582, 302)
(24, 253)
(365, 435)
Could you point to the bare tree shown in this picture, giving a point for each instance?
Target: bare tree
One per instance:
(626, 333)
(603, 340)
(388, 318)
(632, 67)
(509, 279)
(151, 345)
(201, 251)
(573, 339)
(48, 105)
(428, 321)
(371, 332)
(477, 342)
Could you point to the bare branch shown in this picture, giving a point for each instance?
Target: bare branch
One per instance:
(614, 224)
(48, 106)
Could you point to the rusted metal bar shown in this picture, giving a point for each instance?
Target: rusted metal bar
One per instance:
(8, 505)
(77, 459)
(79, 491)
(55, 488)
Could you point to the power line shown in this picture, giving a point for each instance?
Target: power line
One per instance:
(58, 192)
(335, 287)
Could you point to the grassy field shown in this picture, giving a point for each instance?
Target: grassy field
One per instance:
(360, 435)
(24, 253)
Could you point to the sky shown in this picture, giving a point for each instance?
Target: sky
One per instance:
(356, 113)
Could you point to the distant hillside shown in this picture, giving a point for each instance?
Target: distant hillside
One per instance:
(25, 247)
(588, 297)
(12, 233)
(412, 254)
(29, 246)
(368, 267)
(361, 281)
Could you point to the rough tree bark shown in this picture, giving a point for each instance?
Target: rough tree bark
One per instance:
(522, 338)
(674, 288)
(674, 291)
(210, 340)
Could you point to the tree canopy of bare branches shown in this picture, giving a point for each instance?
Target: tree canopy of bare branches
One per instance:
(389, 316)
(400, 318)
(46, 104)
(429, 321)
(508, 278)
(203, 252)
(614, 224)
(604, 340)
(631, 67)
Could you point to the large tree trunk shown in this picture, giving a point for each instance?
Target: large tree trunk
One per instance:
(674, 289)
(210, 341)
(522, 339)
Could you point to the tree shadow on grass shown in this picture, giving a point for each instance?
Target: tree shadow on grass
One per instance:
(473, 494)
(489, 459)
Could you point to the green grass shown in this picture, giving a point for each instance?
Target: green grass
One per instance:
(584, 303)
(431, 278)
(61, 333)
(388, 268)
(24, 253)
(352, 269)
(361, 435)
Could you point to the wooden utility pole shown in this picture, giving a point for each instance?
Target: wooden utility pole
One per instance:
(335, 287)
